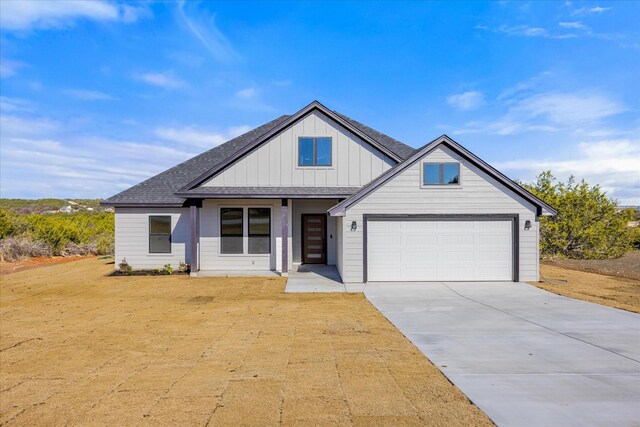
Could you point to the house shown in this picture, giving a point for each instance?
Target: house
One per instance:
(317, 187)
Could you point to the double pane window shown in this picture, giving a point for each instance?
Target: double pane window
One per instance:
(440, 173)
(232, 230)
(314, 151)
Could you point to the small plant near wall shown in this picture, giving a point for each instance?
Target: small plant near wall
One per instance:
(184, 267)
(125, 268)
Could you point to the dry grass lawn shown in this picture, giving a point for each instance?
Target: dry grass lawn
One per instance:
(612, 291)
(80, 348)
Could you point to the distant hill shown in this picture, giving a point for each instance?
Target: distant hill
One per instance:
(29, 206)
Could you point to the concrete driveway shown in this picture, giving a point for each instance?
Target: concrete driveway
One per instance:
(525, 356)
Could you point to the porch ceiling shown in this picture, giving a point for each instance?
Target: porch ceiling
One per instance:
(268, 192)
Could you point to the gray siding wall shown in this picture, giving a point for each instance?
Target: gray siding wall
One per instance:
(132, 237)
(478, 193)
(275, 163)
(300, 207)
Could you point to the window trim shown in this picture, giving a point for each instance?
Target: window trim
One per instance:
(245, 230)
(249, 235)
(441, 173)
(315, 152)
(150, 234)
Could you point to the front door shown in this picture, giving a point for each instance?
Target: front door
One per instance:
(314, 236)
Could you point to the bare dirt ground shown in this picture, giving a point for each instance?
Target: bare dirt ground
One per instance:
(31, 263)
(626, 266)
(80, 348)
(612, 291)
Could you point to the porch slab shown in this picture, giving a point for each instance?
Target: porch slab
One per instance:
(314, 278)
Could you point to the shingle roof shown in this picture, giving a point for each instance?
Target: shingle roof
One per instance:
(401, 149)
(160, 189)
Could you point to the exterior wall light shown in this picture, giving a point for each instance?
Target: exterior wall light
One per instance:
(354, 226)
(527, 225)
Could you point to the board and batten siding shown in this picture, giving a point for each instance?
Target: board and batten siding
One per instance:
(275, 163)
(132, 237)
(478, 193)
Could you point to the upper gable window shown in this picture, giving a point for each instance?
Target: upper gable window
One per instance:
(440, 173)
(314, 151)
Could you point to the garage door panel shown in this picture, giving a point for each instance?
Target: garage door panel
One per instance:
(421, 240)
(439, 250)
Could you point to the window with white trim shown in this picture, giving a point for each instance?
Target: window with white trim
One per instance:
(314, 151)
(254, 239)
(440, 174)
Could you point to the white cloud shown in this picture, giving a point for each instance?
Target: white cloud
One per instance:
(573, 25)
(11, 125)
(569, 108)
(548, 112)
(198, 137)
(202, 26)
(167, 80)
(39, 157)
(612, 164)
(526, 86)
(190, 136)
(526, 31)
(9, 67)
(588, 10)
(247, 93)
(25, 15)
(467, 100)
(89, 95)
(14, 104)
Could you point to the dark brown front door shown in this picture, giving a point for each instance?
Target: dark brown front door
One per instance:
(314, 235)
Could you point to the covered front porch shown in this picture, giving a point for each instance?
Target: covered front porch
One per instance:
(262, 236)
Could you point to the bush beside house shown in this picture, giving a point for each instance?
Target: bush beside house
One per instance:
(589, 225)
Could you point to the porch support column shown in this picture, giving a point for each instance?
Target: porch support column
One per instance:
(284, 219)
(194, 217)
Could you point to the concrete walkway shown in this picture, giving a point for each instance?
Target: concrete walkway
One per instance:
(525, 356)
(314, 278)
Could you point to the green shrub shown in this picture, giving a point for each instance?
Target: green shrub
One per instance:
(589, 225)
(88, 232)
(167, 269)
(184, 267)
(125, 268)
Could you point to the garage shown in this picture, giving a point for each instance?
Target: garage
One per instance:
(441, 248)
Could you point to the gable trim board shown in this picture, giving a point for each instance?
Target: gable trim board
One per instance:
(513, 218)
(541, 207)
(314, 106)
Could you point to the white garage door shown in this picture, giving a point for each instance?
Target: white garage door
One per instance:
(439, 250)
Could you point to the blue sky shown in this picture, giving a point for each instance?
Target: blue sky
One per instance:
(97, 96)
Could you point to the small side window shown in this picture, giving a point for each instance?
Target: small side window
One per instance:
(440, 173)
(160, 234)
